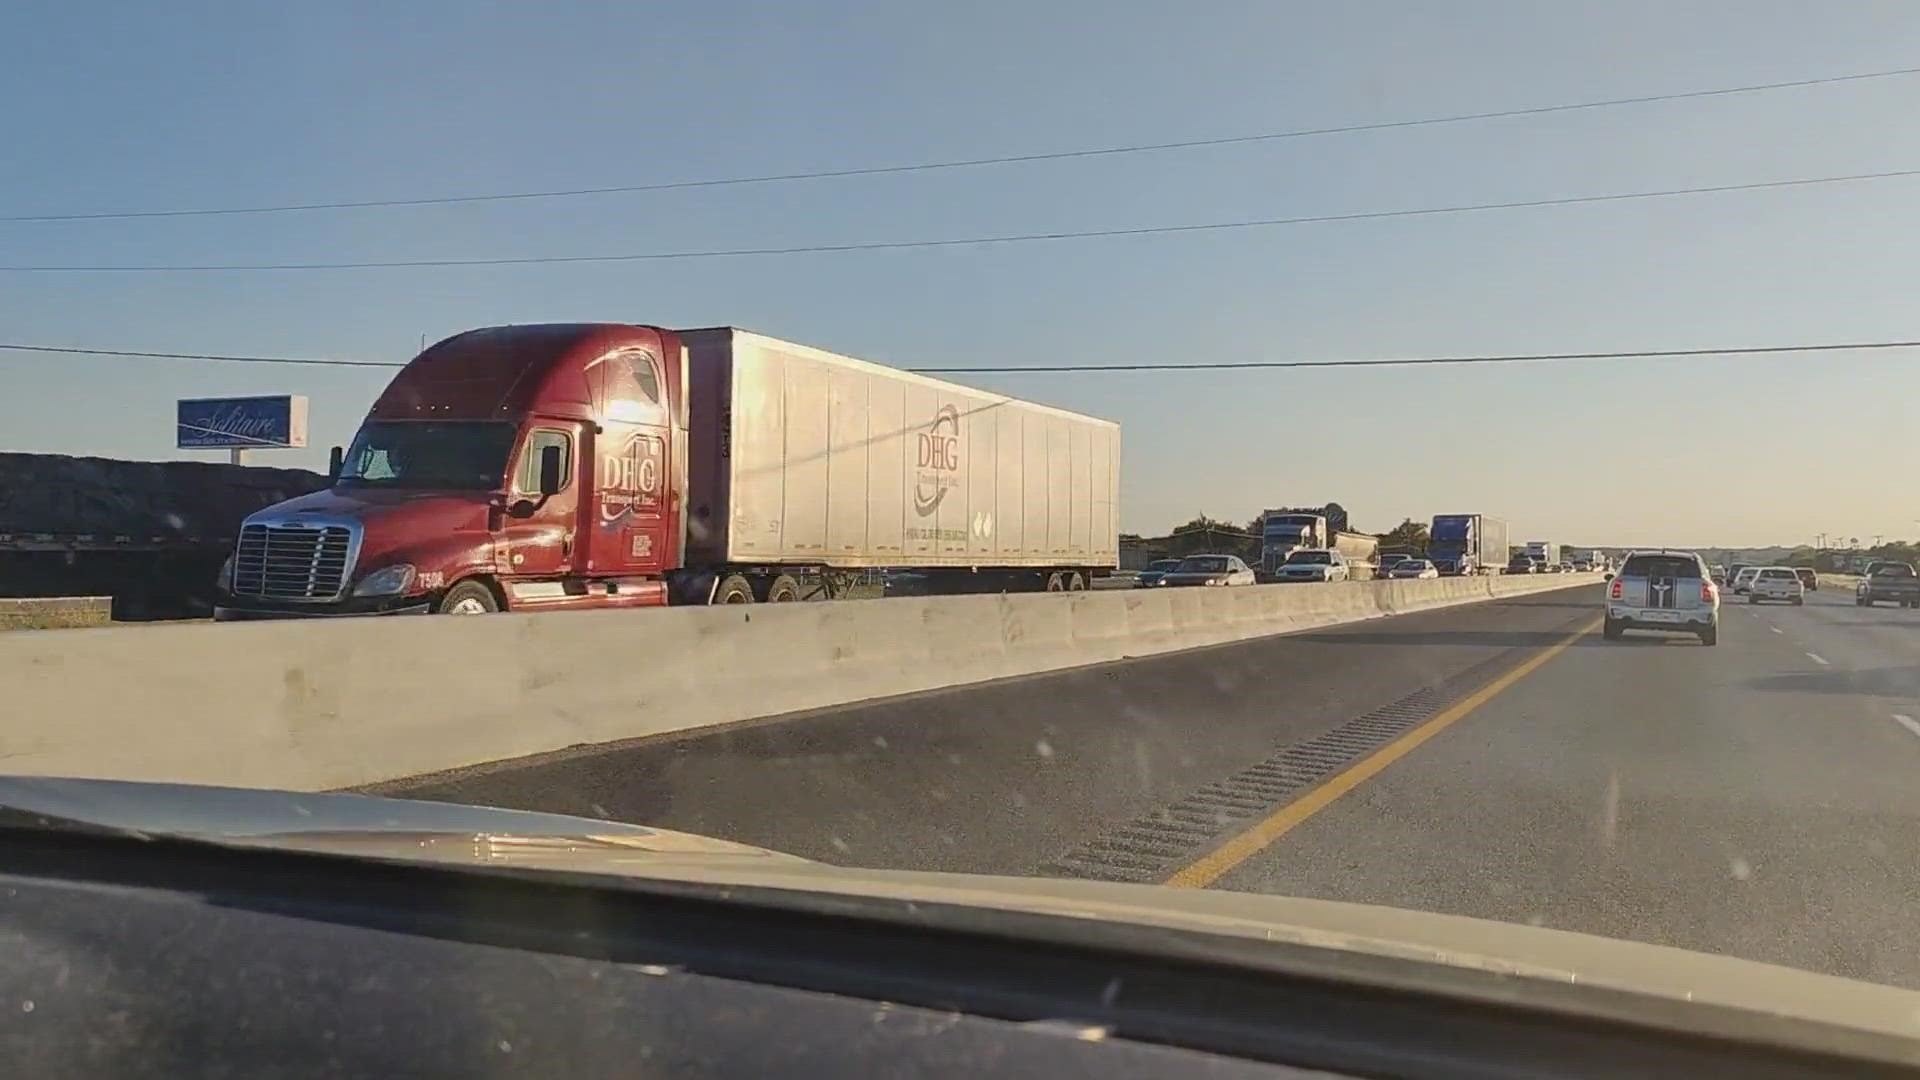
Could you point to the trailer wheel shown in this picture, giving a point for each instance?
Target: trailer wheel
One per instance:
(1055, 583)
(468, 598)
(783, 590)
(1076, 583)
(733, 589)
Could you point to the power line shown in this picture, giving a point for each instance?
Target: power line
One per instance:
(960, 163)
(1013, 238)
(1417, 361)
(1205, 365)
(223, 358)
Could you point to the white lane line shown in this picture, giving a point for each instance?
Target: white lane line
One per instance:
(1908, 722)
(1776, 630)
(1818, 659)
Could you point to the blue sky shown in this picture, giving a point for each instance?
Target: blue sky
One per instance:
(135, 106)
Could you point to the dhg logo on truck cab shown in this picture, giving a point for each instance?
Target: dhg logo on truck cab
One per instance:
(630, 480)
(939, 460)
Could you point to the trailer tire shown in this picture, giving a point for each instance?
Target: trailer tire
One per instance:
(1055, 583)
(784, 589)
(733, 589)
(469, 597)
(1075, 582)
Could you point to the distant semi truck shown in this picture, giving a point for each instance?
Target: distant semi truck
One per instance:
(1467, 544)
(1322, 527)
(1544, 552)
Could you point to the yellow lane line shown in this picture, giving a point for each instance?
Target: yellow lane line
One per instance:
(1214, 865)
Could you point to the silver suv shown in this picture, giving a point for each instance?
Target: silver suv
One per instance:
(1663, 590)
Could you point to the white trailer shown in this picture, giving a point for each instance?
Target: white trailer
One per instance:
(800, 457)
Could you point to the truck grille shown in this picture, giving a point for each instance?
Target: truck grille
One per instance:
(291, 562)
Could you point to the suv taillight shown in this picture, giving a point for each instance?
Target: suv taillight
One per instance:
(1619, 589)
(1706, 592)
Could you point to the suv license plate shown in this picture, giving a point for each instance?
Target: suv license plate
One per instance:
(1659, 616)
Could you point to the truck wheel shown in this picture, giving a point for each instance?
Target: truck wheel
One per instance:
(1076, 583)
(468, 598)
(1055, 583)
(784, 590)
(733, 589)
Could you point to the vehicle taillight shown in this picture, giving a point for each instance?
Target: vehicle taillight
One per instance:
(1706, 592)
(1619, 589)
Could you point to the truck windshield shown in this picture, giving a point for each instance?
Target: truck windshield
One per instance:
(449, 455)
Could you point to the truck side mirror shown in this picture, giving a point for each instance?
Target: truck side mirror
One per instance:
(551, 478)
(336, 460)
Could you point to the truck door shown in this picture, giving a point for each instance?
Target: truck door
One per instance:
(632, 517)
(543, 544)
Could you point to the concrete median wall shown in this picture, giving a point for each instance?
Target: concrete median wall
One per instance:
(339, 703)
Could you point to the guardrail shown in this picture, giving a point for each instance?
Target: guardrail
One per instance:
(337, 703)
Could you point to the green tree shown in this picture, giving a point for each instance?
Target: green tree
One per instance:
(1409, 535)
(1202, 522)
(1210, 535)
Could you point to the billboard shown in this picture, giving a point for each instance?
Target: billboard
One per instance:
(245, 423)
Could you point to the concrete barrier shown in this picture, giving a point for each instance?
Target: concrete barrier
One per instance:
(339, 703)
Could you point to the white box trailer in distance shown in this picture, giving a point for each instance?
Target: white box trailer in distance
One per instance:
(799, 456)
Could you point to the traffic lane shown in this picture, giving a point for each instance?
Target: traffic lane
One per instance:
(1005, 777)
(1652, 789)
(1868, 658)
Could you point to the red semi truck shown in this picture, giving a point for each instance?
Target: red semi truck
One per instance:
(532, 468)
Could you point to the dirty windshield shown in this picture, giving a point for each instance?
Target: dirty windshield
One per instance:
(892, 356)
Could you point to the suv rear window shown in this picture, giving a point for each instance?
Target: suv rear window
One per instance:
(1896, 569)
(1778, 574)
(1660, 566)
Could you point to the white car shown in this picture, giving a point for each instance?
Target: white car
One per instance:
(1208, 570)
(1744, 579)
(1665, 590)
(1314, 564)
(1414, 570)
(1776, 583)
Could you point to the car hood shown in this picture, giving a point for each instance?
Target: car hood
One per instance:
(390, 516)
(448, 834)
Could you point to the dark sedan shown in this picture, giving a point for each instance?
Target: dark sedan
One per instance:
(1156, 570)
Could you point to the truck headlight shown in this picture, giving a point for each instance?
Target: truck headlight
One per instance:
(386, 581)
(224, 582)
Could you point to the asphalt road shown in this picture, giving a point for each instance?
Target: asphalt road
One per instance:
(1003, 778)
(1499, 760)
(1756, 799)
